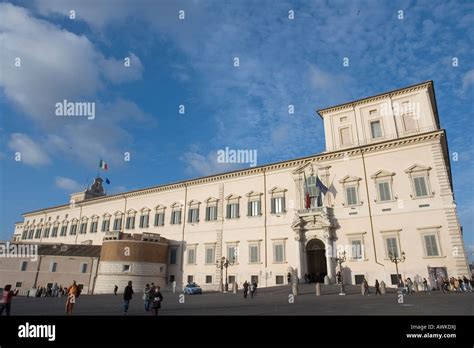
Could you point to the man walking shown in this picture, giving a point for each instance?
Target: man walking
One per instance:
(246, 289)
(115, 290)
(127, 296)
(377, 288)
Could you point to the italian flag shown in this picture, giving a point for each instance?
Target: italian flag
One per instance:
(103, 165)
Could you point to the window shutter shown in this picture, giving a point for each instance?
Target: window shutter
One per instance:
(249, 209)
(272, 206)
(283, 206)
(190, 215)
(208, 209)
(228, 211)
(259, 207)
(238, 209)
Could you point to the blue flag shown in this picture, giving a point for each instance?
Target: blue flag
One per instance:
(107, 181)
(321, 186)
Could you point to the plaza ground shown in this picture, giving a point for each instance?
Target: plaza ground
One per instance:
(269, 301)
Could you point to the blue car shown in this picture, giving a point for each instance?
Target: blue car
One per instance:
(192, 289)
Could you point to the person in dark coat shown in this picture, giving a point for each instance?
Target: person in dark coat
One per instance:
(377, 288)
(127, 296)
(157, 299)
(246, 289)
(115, 290)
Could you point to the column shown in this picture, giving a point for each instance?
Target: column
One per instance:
(299, 254)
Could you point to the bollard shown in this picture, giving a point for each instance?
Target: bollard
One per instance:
(318, 289)
(294, 289)
(327, 281)
(235, 288)
(383, 288)
(362, 288)
(174, 287)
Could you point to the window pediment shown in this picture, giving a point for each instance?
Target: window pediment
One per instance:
(382, 174)
(118, 213)
(417, 168)
(193, 202)
(131, 211)
(176, 205)
(160, 207)
(211, 200)
(277, 189)
(145, 210)
(106, 215)
(232, 196)
(350, 179)
(253, 194)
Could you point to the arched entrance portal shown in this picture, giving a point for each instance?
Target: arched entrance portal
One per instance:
(316, 256)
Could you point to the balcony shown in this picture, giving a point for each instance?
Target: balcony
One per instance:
(321, 211)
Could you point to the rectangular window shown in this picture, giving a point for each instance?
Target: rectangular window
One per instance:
(46, 232)
(171, 278)
(392, 247)
(94, 226)
(118, 224)
(278, 252)
(254, 208)
(409, 123)
(192, 256)
(254, 279)
(31, 233)
(144, 220)
(384, 191)
(54, 267)
(73, 230)
(431, 245)
(351, 195)
(125, 268)
(173, 256)
(210, 255)
(24, 235)
(211, 213)
(130, 225)
(356, 248)
(345, 135)
(279, 280)
(24, 265)
(376, 129)
(106, 225)
(359, 279)
(232, 210)
(55, 231)
(83, 228)
(254, 254)
(18, 284)
(208, 279)
(277, 205)
(159, 219)
(84, 268)
(190, 279)
(394, 278)
(38, 233)
(193, 215)
(176, 217)
(232, 253)
(419, 182)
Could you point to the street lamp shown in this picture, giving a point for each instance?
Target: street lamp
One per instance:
(224, 263)
(340, 260)
(396, 260)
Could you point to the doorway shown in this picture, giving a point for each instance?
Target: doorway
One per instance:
(316, 256)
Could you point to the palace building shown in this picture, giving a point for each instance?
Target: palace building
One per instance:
(382, 189)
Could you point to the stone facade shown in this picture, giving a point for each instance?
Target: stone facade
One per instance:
(387, 171)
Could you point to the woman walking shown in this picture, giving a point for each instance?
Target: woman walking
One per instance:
(157, 299)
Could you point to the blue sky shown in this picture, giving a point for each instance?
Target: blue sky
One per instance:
(190, 62)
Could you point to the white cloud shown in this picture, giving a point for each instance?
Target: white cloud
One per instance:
(31, 152)
(468, 80)
(68, 184)
(57, 65)
(203, 165)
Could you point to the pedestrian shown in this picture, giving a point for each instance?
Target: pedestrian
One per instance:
(252, 289)
(425, 285)
(127, 296)
(115, 290)
(255, 288)
(157, 299)
(338, 277)
(7, 297)
(409, 284)
(72, 293)
(289, 277)
(146, 297)
(377, 288)
(246, 289)
(467, 284)
(366, 287)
